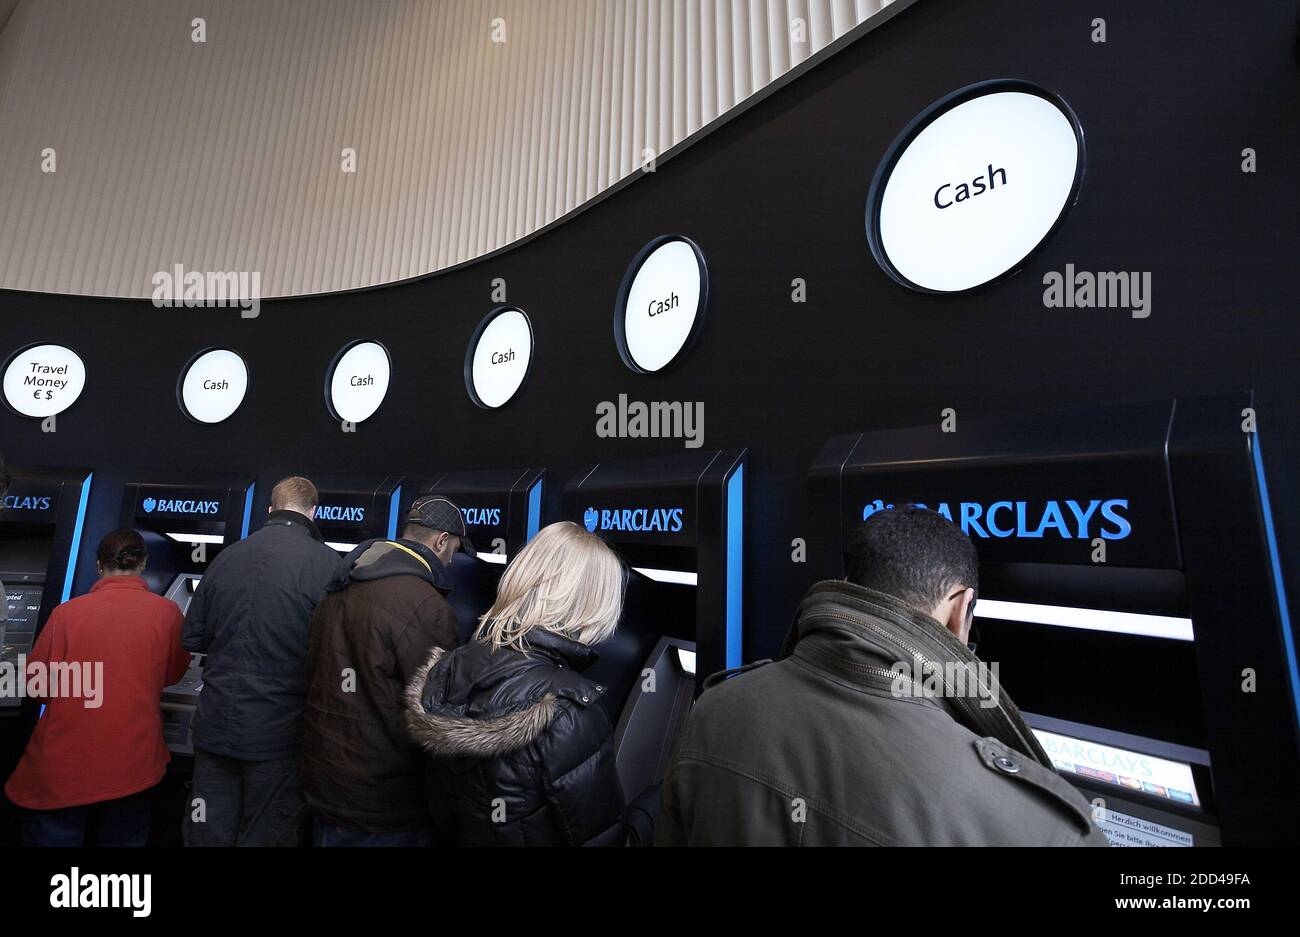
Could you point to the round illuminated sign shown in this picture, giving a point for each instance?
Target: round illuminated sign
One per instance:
(212, 385)
(357, 381)
(499, 357)
(661, 303)
(42, 380)
(974, 185)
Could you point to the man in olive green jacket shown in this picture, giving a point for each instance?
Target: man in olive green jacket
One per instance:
(878, 726)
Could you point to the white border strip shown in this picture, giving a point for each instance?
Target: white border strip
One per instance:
(1089, 619)
(197, 538)
(676, 576)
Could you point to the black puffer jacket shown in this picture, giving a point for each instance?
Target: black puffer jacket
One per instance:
(522, 752)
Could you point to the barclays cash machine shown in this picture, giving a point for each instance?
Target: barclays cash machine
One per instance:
(42, 520)
(678, 523)
(353, 510)
(41, 524)
(1130, 596)
(502, 509)
(185, 526)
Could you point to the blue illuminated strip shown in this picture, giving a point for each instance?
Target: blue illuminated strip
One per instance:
(248, 511)
(534, 510)
(393, 501)
(1279, 590)
(735, 565)
(75, 548)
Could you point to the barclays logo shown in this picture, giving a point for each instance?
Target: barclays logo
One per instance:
(479, 517)
(337, 512)
(179, 506)
(638, 520)
(1022, 519)
(28, 503)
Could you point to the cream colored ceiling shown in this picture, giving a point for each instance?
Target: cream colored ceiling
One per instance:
(227, 154)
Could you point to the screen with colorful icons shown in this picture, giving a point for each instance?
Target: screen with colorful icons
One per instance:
(1157, 777)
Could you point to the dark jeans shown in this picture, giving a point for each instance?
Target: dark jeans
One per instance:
(121, 822)
(325, 833)
(244, 803)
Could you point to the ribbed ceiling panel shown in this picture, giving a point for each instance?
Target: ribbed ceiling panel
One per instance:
(225, 155)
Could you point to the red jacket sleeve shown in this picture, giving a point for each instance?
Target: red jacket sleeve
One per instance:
(178, 660)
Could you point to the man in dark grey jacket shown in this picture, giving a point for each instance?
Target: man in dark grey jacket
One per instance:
(878, 726)
(251, 616)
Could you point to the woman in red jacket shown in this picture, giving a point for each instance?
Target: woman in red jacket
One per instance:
(100, 665)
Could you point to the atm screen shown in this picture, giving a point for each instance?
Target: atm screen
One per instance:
(22, 605)
(1155, 777)
(18, 630)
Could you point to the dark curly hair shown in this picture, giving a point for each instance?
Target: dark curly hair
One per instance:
(913, 554)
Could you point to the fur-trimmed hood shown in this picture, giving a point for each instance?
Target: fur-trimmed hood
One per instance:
(480, 702)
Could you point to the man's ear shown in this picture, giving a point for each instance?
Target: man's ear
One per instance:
(959, 616)
(311, 515)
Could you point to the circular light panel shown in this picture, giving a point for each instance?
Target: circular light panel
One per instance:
(661, 303)
(974, 185)
(43, 380)
(213, 385)
(358, 381)
(499, 357)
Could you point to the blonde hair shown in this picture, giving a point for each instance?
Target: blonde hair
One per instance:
(566, 581)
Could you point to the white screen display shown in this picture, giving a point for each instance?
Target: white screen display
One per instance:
(500, 360)
(359, 382)
(1157, 777)
(662, 305)
(977, 189)
(44, 380)
(214, 385)
(1125, 831)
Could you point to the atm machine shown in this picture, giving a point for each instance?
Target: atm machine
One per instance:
(677, 522)
(1130, 591)
(353, 510)
(41, 524)
(502, 510)
(185, 526)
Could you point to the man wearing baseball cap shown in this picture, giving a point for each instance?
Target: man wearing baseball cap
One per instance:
(382, 615)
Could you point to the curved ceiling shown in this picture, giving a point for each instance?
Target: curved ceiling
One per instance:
(474, 123)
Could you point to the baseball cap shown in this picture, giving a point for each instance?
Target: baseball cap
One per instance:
(439, 513)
